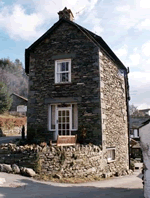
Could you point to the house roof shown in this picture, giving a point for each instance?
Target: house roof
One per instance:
(93, 37)
(143, 110)
(137, 122)
(145, 122)
(19, 96)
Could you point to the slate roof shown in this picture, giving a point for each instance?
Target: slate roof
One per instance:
(19, 96)
(93, 37)
(138, 122)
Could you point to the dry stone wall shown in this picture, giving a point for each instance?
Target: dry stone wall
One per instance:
(23, 156)
(72, 161)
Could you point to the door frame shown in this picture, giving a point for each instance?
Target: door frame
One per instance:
(70, 118)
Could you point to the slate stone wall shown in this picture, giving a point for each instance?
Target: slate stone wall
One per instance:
(66, 41)
(114, 111)
(23, 156)
(72, 161)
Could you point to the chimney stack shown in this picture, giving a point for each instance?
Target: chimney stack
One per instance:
(66, 14)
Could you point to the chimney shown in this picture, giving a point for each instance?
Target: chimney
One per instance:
(66, 14)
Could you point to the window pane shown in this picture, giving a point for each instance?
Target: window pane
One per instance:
(63, 113)
(63, 77)
(67, 126)
(67, 119)
(63, 126)
(111, 154)
(58, 78)
(67, 66)
(59, 119)
(58, 67)
(67, 75)
(59, 126)
(63, 68)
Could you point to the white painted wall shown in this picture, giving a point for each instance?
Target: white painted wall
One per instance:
(144, 133)
(135, 133)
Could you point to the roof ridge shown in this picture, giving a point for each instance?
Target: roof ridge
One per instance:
(97, 40)
(19, 96)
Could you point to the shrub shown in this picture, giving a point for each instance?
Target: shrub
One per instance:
(5, 100)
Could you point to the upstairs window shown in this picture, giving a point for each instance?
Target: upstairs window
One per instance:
(63, 71)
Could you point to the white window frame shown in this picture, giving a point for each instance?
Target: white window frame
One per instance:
(114, 150)
(69, 70)
(56, 108)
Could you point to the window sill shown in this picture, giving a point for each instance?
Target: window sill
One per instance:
(65, 83)
(110, 161)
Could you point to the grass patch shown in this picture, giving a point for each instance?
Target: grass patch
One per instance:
(9, 121)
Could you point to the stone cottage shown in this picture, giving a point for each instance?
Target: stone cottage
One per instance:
(77, 85)
(17, 100)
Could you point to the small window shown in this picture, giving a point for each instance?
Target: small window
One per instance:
(63, 71)
(110, 154)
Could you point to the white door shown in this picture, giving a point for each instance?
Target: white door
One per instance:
(63, 122)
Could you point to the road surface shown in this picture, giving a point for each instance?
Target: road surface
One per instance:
(8, 139)
(17, 186)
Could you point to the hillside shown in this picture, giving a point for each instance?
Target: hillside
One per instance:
(13, 75)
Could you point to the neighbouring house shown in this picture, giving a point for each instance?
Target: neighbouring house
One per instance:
(144, 133)
(135, 124)
(18, 102)
(77, 85)
(145, 111)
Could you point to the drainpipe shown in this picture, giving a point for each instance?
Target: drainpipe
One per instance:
(127, 104)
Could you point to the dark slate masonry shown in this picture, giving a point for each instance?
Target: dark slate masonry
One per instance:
(98, 86)
(66, 42)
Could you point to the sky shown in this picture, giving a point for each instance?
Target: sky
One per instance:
(123, 24)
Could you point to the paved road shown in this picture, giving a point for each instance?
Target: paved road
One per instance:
(8, 139)
(17, 186)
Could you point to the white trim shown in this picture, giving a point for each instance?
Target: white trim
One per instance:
(56, 117)
(49, 118)
(69, 70)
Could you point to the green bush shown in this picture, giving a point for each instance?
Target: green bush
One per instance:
(5, 99)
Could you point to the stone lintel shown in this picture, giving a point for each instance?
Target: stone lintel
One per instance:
(63, 56)
(62, 100)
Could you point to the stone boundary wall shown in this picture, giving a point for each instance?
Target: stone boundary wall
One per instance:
(13, 131)
(23, 156)
(71, 161)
